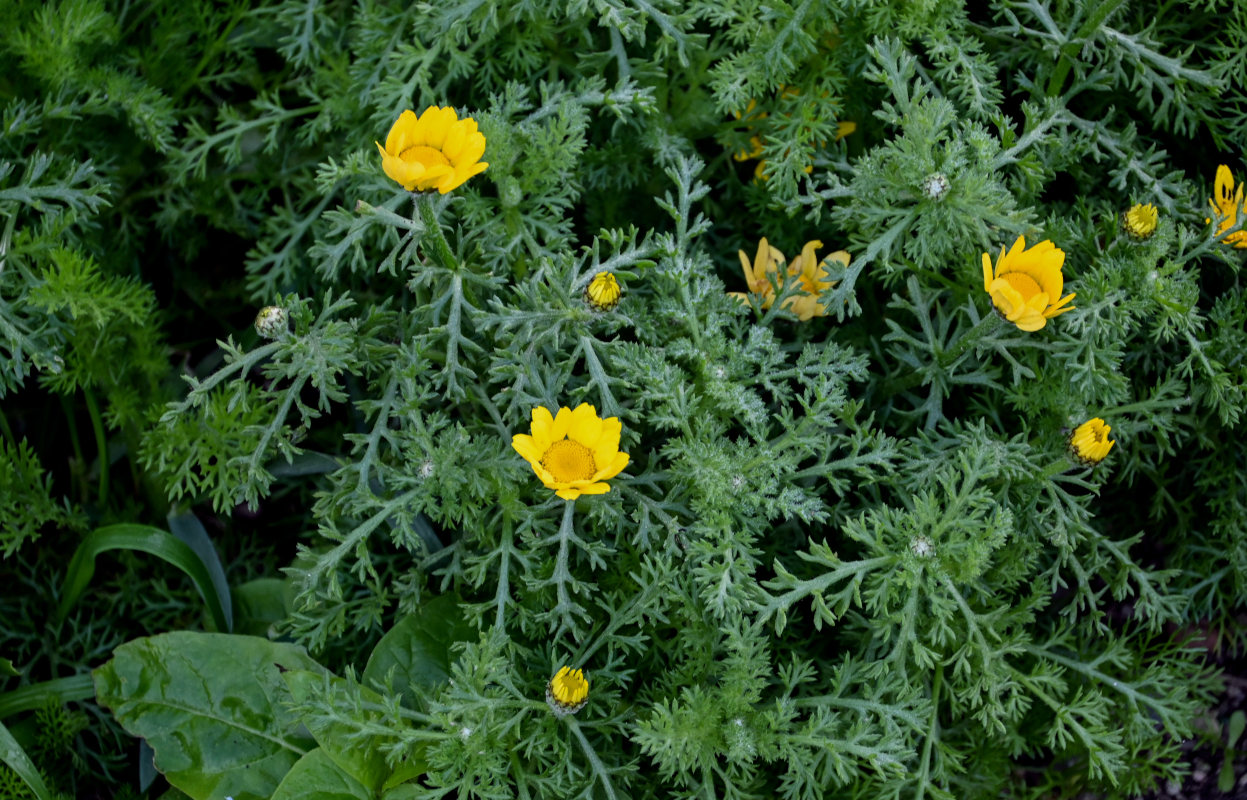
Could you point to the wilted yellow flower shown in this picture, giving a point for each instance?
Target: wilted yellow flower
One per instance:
(435, 151)
(603, 292)
(1227, 202)
(574, 452)
(809, 271)
(1090, 443)
(568, 691)
(843, 129)
(1140, 221)
(1026, 284)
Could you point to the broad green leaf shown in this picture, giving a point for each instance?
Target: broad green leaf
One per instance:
(417, 649)
(259, 604)
(146, 539)
(317, 777)
(11, 753)
(212, 706)
(360, 758)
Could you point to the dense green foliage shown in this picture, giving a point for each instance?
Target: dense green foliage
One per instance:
(850, 556)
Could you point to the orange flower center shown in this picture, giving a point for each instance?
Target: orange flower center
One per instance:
(569, 461)
(1026, 286)
(423, 154)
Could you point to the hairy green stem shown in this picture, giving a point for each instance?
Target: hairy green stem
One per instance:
(433, 230)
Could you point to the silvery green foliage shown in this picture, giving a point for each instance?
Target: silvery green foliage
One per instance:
(849, 556)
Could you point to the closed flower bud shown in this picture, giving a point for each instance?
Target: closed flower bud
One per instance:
(568, 691)
(1140, 221)
(271, 322)
(935, 186)
(603, 292)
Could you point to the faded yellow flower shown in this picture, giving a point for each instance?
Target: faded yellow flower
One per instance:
(573, 453)
(1026, 283)
(843, 129)
(1090, 443)
(437, 150)
(812, 274)
(1227, 202)
(568, 691)
(1140, 221)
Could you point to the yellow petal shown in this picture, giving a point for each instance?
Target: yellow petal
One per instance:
(988, 275)
(585, 426)
(456, 138)
(607, 446)
(400, 132)
(594, 488)
(473, 148)
(568, 494)
(562, 424)
(542, 426)
(611, 468)
(526, 447)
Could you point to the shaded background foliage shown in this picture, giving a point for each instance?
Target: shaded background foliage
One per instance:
(755, 598)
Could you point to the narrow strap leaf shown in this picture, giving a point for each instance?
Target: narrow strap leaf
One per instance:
(146, 539)
(11, 753)
(36, 695)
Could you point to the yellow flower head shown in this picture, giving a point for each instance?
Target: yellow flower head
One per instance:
(1227, 202)
(574, 452)
(1026, 284)
(568, 691)
(1090, 443)
(811, 273)
(602, 293)
(1140, 221)
(435, 151)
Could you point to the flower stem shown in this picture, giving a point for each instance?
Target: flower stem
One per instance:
(433, 232)
(101, 443)
(1056, 468)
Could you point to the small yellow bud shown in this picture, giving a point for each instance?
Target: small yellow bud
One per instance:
(603, 292)
(1089, 443)
(1140, 221)
(568, 691)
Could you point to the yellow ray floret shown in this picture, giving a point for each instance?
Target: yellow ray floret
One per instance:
(811, 274)
(1227, 202)
(1090, 443)
(1025, 284)
(436, 150)
(573, 453)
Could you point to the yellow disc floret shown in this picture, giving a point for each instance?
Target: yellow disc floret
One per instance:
(1090, 443)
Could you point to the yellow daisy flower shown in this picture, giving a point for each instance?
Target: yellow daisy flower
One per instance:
(568, 691)
(812, 274)
(1227, 202)
(1090, 443)
(574, 452)
(437, 150)
(603, 292)
(1026, 283)
(1140, 221)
